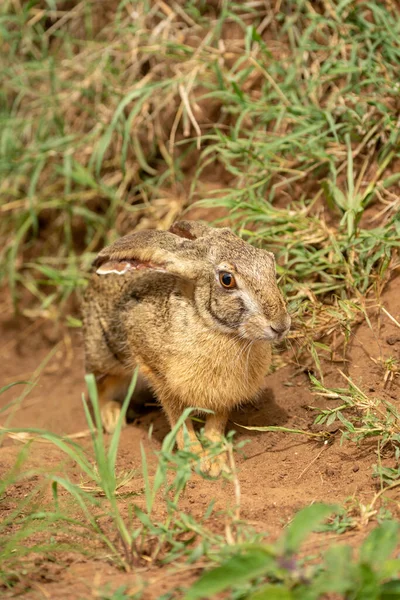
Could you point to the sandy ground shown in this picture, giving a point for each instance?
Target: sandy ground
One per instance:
(278, 473)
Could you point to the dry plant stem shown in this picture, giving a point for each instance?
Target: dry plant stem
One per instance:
(312, 462)
(25, 436)
(236, 482)
(390, 317)
(185, 99)
(378, 495)
(231, 533)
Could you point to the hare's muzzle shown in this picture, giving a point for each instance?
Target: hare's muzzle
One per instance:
(280, 327)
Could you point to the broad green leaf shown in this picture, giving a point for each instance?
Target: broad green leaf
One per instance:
(271, 592)
(380, 544)
(390, 569)
(390, 590)
(338, 574)
(304, 522)
(368, 585)
(239, 569)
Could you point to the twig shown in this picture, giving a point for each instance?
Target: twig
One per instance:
(236, 483)
(386, 489)
(24, 436)
(323, 435)
(312, 462)
(186, 102)
(390, 316)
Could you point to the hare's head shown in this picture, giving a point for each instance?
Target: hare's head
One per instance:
(234, 284)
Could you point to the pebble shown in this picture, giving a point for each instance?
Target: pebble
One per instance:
(392, 339)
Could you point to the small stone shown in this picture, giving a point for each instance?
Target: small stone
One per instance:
(392, 339)
(356, 468)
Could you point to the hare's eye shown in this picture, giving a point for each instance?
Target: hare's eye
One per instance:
(227, 280)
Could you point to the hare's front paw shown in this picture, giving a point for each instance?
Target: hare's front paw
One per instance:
(214, 465)
(110, 413)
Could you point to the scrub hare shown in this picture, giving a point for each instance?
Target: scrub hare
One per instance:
(196, 308)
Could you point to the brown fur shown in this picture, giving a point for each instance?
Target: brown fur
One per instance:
(196, 343)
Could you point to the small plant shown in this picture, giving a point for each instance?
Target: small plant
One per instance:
(391, 367)
(353, 203)
(136, 537)
(367, 417)
(272, 572)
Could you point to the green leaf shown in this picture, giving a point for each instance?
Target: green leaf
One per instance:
(10, 385)
(143, 517)
(380, 544)
(331, 419)
(334, 195)
(338, 575)
(390, 569)
(390, 590)
(349, 426)
(239, 569)
(271, 592)
(368, 588)
(304, 522)
(113, 448)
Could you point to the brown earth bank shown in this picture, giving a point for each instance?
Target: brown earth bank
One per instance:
(278, 472)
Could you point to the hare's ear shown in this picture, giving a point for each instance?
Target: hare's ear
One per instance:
(191, 230)
(152, 250)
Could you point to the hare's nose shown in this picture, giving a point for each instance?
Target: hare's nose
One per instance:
(278, 329)
(282, 325)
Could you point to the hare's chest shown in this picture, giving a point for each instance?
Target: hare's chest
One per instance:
(208, 371)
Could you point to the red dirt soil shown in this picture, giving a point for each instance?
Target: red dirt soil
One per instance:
(279, 473)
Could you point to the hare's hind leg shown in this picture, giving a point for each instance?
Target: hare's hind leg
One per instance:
(215, 426)
(214, 430)
(174, 411)
(110, 389)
